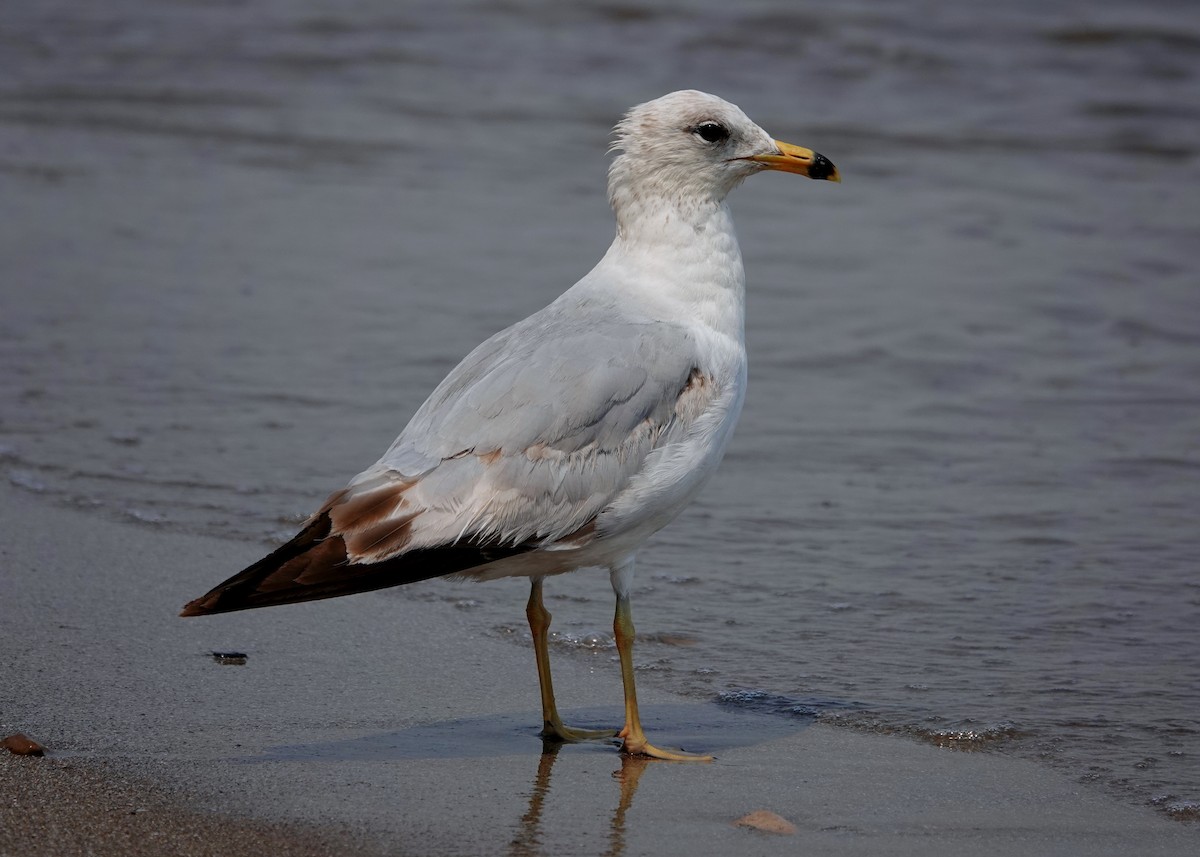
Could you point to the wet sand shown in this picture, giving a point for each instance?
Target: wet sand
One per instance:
(384, 724)
(56, 807)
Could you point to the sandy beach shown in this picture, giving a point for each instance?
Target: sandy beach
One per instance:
(376, 724)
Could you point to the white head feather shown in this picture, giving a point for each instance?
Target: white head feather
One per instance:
(687, 146)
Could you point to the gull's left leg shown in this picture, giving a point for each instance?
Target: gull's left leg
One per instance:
(539, 626)
(635, 739)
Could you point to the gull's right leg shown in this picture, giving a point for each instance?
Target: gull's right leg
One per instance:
(539, 626)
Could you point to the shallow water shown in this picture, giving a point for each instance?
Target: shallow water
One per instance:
(243, 240)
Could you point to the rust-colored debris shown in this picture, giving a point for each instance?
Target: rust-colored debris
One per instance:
(22, 745)
(766, 821)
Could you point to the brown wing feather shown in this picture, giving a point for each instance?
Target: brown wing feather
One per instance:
(313, 565)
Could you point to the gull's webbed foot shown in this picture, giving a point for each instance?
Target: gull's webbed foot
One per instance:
(557, 731)
(637, 745)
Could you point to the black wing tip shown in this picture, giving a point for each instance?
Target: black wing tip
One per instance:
(205, 605)
(314, 566)
(232, 594)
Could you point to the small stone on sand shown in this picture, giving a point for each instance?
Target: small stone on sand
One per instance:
(766, 821)
(22, 745)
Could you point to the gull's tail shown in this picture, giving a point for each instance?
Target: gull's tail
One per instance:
(315, 565)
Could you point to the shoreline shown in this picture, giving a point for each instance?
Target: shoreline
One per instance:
(380, 724)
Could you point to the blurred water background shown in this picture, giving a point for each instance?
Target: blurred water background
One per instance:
(242, 240)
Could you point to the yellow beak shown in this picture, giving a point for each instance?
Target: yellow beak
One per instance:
(797, 159)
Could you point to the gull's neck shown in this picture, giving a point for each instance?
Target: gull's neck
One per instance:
(683, 251)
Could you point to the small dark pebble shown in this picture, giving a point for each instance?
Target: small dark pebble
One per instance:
(22, 745)
(234, 659)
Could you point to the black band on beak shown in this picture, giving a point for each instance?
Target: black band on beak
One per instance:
(822, 167)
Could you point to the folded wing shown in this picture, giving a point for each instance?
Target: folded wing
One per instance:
(517, 450)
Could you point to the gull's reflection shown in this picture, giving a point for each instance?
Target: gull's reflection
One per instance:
(529, 831)
(628, 776)
(495, 738)
(528, 840)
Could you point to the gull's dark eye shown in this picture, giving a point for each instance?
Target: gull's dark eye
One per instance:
(712, 132)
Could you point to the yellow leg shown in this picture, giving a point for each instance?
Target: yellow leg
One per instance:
(635, 738)
(539, 626)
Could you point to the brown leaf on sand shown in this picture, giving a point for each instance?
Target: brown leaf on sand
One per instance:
(22, 745)
(766, 821)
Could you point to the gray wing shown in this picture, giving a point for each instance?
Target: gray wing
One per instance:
(529, 438)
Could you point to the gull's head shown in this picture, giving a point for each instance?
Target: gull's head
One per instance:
(691, 144)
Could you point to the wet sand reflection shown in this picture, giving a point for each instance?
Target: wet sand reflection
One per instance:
(528, 839)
